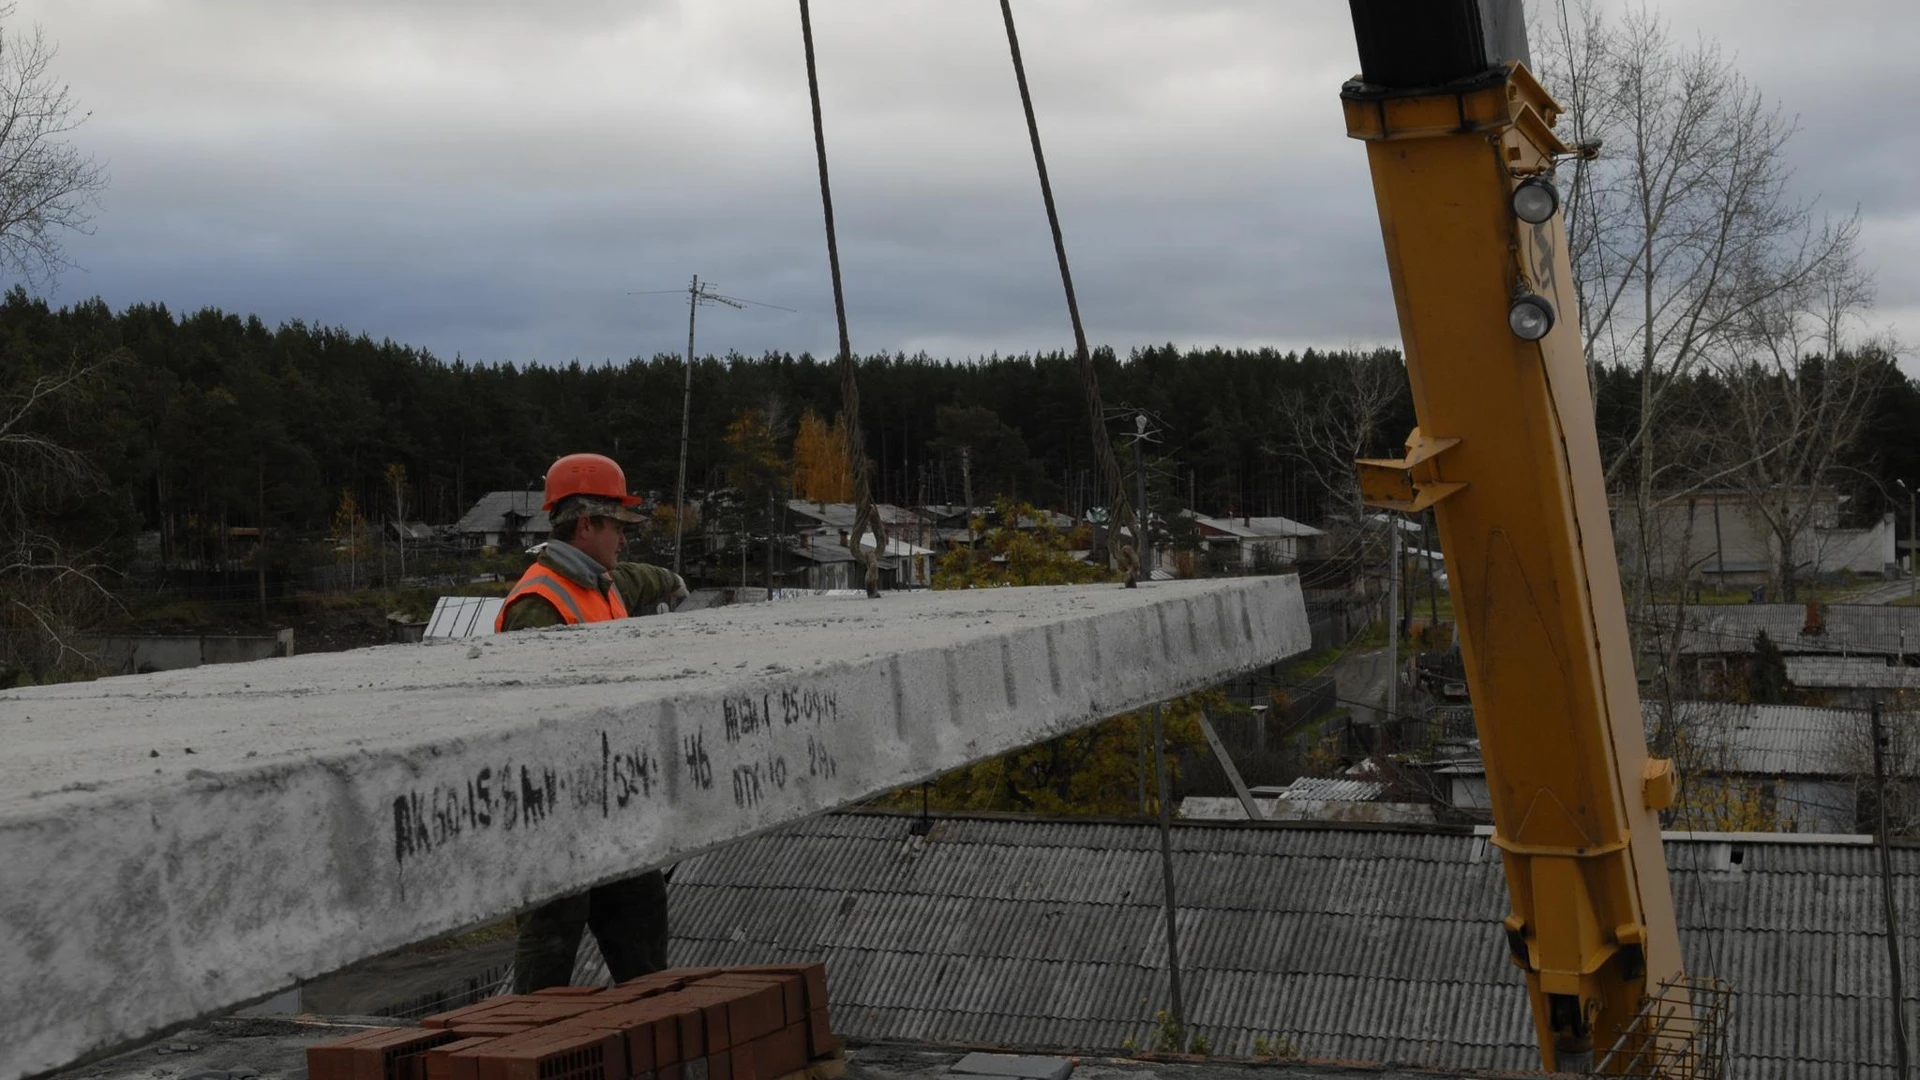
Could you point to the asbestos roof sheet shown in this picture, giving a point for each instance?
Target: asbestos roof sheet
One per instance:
(1768, 740)
(1850, 673)
(1878, 629)
(1252, 528)
(463, 616)
(1372, 945)
(491, 512)
(1334, 789)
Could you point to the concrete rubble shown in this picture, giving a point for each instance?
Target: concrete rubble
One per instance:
(180, 843)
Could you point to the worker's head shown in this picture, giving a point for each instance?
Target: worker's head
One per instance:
(595, 525)
(588, 504)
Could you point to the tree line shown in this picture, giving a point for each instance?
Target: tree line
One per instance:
(193, 424)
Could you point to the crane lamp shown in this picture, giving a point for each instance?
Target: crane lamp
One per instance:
(1530, 317)
(1535, 200)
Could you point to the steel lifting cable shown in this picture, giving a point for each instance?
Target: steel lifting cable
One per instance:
(1104, 460)
(865, 519)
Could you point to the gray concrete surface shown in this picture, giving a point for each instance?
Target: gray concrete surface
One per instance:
(180, 843)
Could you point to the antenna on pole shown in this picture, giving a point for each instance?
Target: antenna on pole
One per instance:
(698, 294)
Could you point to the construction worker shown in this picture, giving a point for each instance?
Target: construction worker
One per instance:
(579, 579)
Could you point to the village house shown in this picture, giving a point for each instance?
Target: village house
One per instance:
(1788, 766)
(1250, 543)
(504, 519)
(1722, 539)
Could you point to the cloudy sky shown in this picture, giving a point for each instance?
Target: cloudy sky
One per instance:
(496, 178)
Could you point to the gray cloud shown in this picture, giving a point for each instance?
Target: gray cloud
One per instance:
(493, 179)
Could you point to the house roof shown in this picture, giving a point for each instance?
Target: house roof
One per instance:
(490, 513)
(1850, 673)
(1748, 740)
(1845, 628)
(463, 616)
(1215, 808)
(841, 515)
(1254, 528)
(826, 551)
(1374, 944)
(1768, 740)
(1337, 788)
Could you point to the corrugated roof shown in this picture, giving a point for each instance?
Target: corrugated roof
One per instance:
(1357, 944)
(1263, 528)
(490, 513)
(1850, 673)
(1878, 629)
(463, 616)
(1335, 789)
(1767, 740)
(841, 515)
(1751, 740)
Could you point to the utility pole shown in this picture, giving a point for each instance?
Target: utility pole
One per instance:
(260, 546)
(1886, 895)
(696, 295)
(1913, 539)
(1166, 877)
(1140, 539)
(1393, 619)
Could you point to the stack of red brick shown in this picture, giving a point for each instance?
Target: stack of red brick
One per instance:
(750, 1023)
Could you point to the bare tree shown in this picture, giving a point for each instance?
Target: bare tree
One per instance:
(1679, 231)
(48, 187)
(1798, 395)
(49, 588)
(1851, 747)
(1343, 423)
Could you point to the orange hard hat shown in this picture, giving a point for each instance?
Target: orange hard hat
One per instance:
(587, 474)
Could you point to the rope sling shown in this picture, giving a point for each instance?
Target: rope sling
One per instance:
(1106, 465)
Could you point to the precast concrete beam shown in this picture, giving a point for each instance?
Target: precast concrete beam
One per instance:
(176, 844)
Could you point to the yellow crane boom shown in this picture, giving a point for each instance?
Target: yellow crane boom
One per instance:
(1461, 143)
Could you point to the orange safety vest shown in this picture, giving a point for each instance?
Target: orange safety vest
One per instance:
(575, 603)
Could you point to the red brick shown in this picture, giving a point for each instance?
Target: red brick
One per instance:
(561, 1052)
(631, 991)
(542, 1011)
(439, 1064)
(568, 991)
(666, 1042)
(379, 1054)
(780, 1053)
(791, 991)
(492, 1028)
(720, 1065)
(820, 1040)
(813, 979)
(478, 1008)
(693, 1031)
(753, 1009)
(711, 1004)
(671, 1072)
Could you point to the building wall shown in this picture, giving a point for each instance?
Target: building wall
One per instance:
(1689, 535)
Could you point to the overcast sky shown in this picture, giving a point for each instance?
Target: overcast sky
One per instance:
(494, 178)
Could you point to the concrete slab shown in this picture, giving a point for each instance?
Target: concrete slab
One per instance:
(1012, 1066)
(179, 843)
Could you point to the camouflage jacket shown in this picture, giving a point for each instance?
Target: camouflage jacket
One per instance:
(643, 589)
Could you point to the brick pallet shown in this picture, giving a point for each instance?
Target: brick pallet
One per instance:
(742, 1023)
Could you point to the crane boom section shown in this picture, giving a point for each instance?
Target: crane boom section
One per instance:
(1507, 456)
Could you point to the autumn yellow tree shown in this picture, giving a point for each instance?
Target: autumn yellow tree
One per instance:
(821, 471)
(1008, 554)
(1096, 770)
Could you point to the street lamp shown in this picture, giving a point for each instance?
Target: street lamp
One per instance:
(1913, 541)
